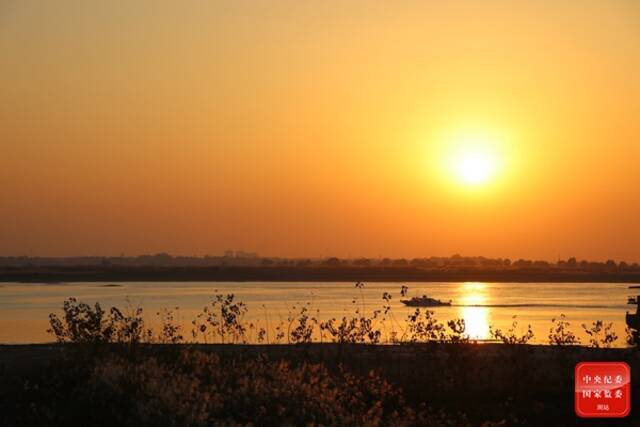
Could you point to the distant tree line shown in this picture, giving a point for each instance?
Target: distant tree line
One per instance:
(248, 259)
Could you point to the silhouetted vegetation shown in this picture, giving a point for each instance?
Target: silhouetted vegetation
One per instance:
(121, 372)
(245, 266)
(197, 388)
(84, 324)
(511, 336)
(222, 321)
(600, 334)
(242, 258)
(559, 333)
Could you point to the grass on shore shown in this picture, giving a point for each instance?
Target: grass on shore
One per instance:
(109, 368)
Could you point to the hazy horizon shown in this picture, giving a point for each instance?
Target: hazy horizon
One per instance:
(321, 129)
(321, 257)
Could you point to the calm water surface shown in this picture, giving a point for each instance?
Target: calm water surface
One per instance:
(24, 308)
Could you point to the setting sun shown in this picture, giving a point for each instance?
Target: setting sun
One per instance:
(475, 167)
(472, 158)
(237, 198)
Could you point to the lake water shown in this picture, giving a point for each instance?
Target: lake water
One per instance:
(24, 308)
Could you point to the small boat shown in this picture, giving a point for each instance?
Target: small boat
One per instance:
(424, 301)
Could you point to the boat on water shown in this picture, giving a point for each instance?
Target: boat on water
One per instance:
(424, 301)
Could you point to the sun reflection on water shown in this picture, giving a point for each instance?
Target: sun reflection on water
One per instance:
(476, 318)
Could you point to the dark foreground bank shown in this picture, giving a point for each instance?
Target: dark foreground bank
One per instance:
(329, 384)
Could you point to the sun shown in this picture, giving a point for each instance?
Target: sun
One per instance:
(474, 166)
(473, 158)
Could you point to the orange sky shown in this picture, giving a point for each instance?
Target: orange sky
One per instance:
(319, 128)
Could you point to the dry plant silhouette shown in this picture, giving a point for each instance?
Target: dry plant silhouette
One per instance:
(367, 368)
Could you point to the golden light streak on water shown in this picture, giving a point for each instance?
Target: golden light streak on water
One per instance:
(476, 318)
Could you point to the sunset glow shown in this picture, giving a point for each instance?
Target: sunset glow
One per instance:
(475, 167)
(291, 212)
(306, 129)
(474, 159)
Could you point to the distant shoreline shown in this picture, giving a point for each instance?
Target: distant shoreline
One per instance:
(307, 274)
